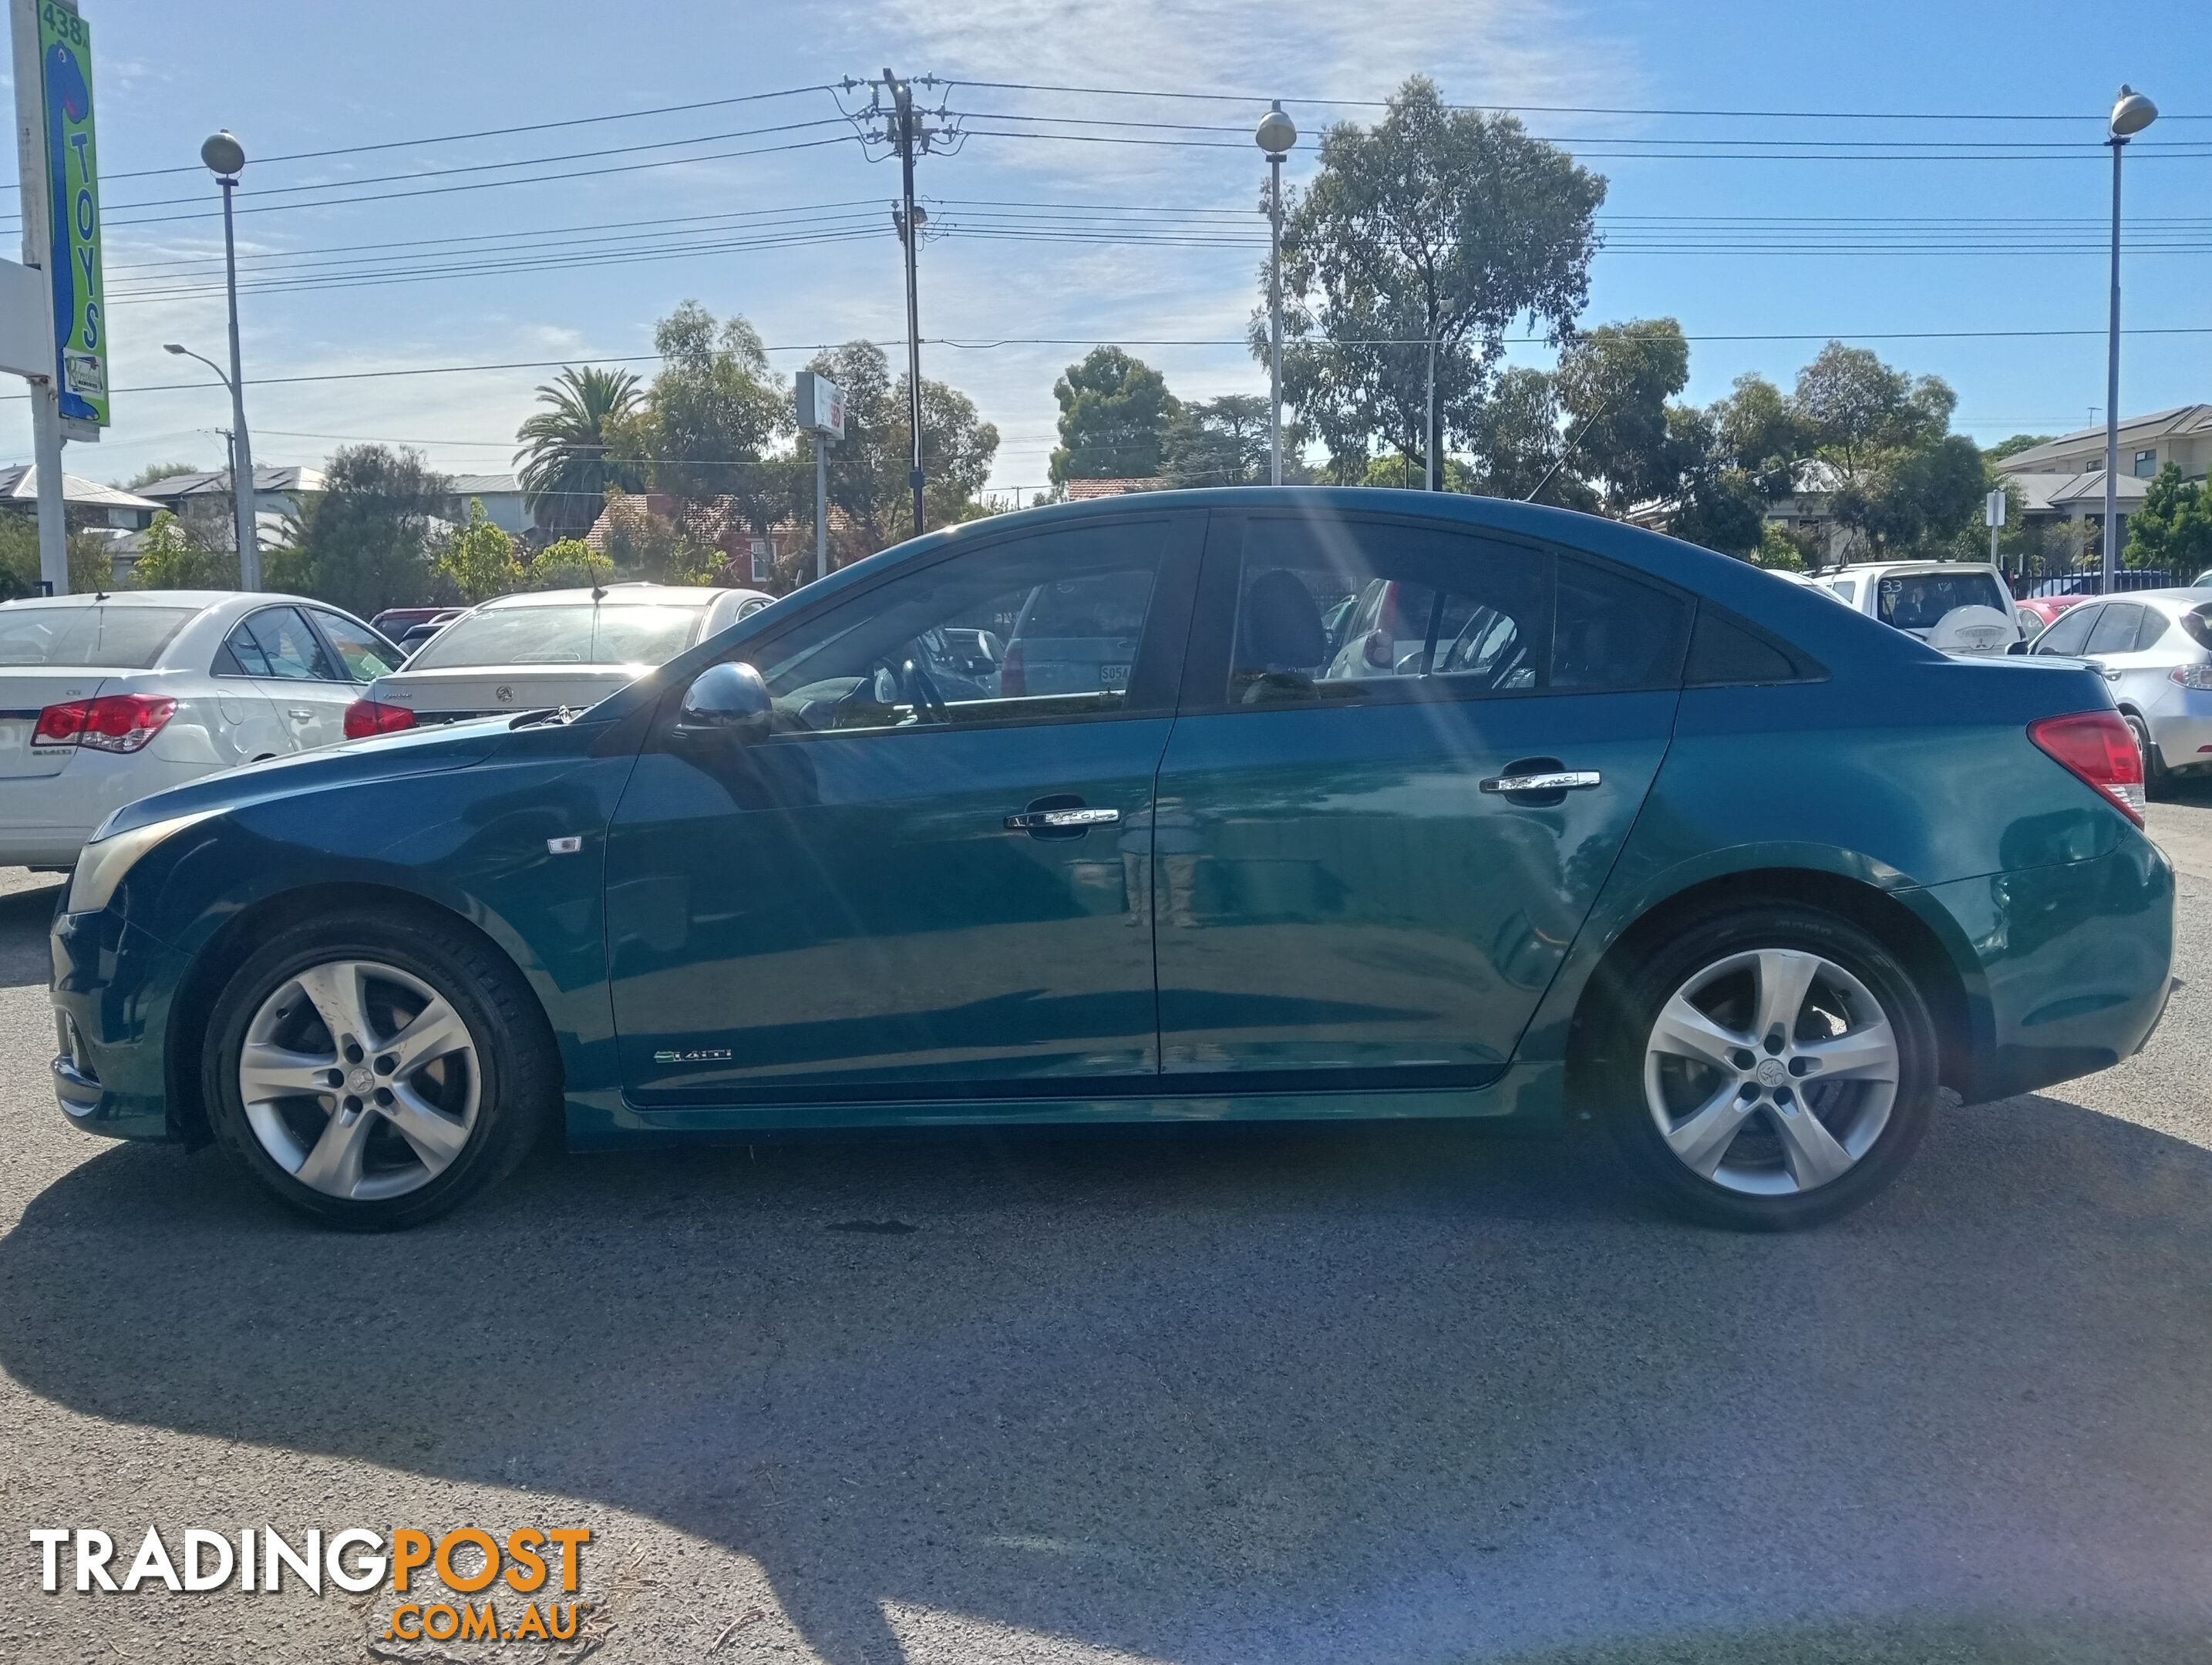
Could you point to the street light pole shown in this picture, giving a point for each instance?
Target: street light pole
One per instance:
(1275, 135)
(225, 157)
(2131, 113)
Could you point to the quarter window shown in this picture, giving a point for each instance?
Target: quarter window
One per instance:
(1035, 629)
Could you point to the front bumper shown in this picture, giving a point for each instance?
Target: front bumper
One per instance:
(113, 989)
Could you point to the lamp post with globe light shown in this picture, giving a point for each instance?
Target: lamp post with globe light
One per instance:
(226, 158)
(2131, 113)
(1276, 134)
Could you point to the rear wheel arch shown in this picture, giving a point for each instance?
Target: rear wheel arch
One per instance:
(1935, 968)
(215, 965)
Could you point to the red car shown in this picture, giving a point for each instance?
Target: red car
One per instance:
(2037, 612)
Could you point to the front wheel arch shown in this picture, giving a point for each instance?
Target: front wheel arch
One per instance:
(212, 969)
(1895, 926)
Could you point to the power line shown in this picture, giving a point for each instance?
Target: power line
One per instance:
(479, 133)
(492, 185)
(1258, 99)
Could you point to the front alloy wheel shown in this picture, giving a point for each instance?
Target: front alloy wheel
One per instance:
(374, 1067)
(359, 1080)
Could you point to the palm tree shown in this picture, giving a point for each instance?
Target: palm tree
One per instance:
(564, 464)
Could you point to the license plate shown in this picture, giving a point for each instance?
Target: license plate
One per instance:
(1113, 676)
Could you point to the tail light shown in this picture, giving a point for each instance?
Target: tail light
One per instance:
(1013, 672)
(113, 722)
(2191, 676)
(366, 717)
(2100, 748)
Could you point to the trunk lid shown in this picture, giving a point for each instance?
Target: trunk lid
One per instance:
(476, 691)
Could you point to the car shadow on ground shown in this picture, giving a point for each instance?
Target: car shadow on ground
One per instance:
(1396, 1391)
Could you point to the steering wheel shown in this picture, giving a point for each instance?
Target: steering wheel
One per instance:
(921, 693)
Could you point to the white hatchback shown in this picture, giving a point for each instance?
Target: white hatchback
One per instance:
(107, 698)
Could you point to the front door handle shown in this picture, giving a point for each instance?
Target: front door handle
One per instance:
(1560, 780)
(1060, 820)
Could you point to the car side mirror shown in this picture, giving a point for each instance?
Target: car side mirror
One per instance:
(2019, 647)
(726, 699)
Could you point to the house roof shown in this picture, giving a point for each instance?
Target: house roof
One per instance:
(1080, 491)
(20, 485)
(2049, 457)
(284, 479)
(2047, 493)
(485, 485)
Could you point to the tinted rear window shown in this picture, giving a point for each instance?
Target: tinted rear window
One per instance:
(108, 638)
(2197, 620)
(580, 635)
(1918, 601)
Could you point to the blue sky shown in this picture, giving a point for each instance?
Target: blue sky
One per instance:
(291, 77)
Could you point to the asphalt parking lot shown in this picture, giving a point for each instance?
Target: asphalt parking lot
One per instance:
(1314, 1395)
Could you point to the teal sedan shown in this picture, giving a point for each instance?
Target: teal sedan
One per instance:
(1250, 803)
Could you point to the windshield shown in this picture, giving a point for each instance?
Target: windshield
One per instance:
(582, 634)
(111, 638)
(1919, 601)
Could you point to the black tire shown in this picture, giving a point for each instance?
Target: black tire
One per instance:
(1652, 981)
(2158, 780)
(517, 1086)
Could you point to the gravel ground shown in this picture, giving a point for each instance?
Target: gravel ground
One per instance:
(1316, 1395)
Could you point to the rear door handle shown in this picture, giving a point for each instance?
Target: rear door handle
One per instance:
(1060, 820)
(297, 711)
(1561, 780)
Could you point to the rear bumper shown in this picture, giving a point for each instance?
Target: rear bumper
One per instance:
(2076, 964)
(45, 819)
(113, 985)
(2180, 727)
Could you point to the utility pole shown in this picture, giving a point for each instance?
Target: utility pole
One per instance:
(1429, 435)
(909, 219)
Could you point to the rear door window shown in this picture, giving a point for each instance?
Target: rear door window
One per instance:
(1336, 610)
(2115, 632)
(277, 642)
(108, 638)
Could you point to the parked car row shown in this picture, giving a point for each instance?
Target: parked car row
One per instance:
(1256, 802)
(107, 698)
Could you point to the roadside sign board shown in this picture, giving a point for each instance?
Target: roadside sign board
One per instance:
(1993, 509)
(821, 405)
(73, 205)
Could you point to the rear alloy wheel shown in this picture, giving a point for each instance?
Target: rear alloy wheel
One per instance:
(1783, 1068)
(375, 1075)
